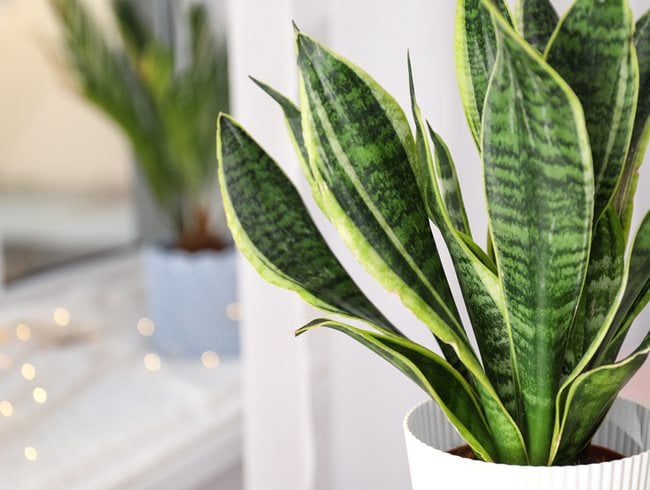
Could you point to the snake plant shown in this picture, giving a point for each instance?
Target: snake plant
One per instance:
(558, 108)
(167, 111)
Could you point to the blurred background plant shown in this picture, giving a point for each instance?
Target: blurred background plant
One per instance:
(166, 108)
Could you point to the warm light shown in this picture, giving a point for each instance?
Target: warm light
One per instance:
(31, 454)
(6, 408)
(23, 332)
(28, 371)
(233, 311)
(40, 395)
(6, 362)
(152, 362)
(146, 327)
(210, 359)
(61, 317)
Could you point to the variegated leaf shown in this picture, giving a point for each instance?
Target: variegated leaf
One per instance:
(539, 184)
(364, 160)
(624, 198)
(274, 231)
(637, 292)
(536, 21)
(592, 50)
(588, 401)
(602, 290)
(434, 375)
(483, 297)
(476, 49)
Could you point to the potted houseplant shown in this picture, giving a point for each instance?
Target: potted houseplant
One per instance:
(559, 112)
(166, 107)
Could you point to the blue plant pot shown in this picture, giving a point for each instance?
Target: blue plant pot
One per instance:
(193, 301)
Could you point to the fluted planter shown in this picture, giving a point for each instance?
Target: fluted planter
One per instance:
(429, 436)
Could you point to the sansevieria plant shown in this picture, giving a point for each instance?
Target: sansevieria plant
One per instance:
(559, 110)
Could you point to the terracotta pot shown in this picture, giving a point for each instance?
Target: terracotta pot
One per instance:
(429, 436)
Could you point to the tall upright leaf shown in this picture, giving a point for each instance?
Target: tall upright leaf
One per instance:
(476, 49)
(602, 291)
(637, 292)
(364, 160)
(539, 184)
(434, 375)
(274, 231)
(536, 21)
(293, 120)
(592, 50)
(624, 197)
(480, 287)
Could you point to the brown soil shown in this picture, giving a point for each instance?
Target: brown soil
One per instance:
(200, 237)
(595, 454)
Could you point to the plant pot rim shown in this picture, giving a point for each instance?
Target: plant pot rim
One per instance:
(166, 248)
(444, 455)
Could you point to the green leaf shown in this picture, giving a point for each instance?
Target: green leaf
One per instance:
(624, 197)
(292, 117)
(536, 21)
(602, 291)
(132, 29)
(592, 50)
(274, 231)
(431, 373)
(363, 157)
(637, 292)
(589, 399)
(539, 185)
(476, 50)
(482, 294)
(450, 190)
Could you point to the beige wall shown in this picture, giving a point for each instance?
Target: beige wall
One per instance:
(50, 140)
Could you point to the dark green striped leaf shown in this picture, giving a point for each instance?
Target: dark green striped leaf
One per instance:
(588, 401)
(637, 291)
(293, 119)
(592, 50)
(539, 184)
(536, 21)
(274, 231)
(602, 291)
(483, 298)
(450, 189)
(364, 160)
(476, 50)
(434, 375)
(641, 134)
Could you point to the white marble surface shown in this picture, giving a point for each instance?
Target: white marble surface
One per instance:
(108, 422)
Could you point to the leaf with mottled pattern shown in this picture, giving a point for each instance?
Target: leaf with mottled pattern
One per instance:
(588, 401)
(536, 21)
(364, 160)
(592, 50)
(539, 185)
(434, 375)
(482, 293)
(624, 198)
(602, 290)
(274, 231)
(637, 292)
(476, 50)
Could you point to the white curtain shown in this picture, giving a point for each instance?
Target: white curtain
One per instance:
(322, 413)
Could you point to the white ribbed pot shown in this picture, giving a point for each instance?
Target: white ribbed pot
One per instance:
(429, 436)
